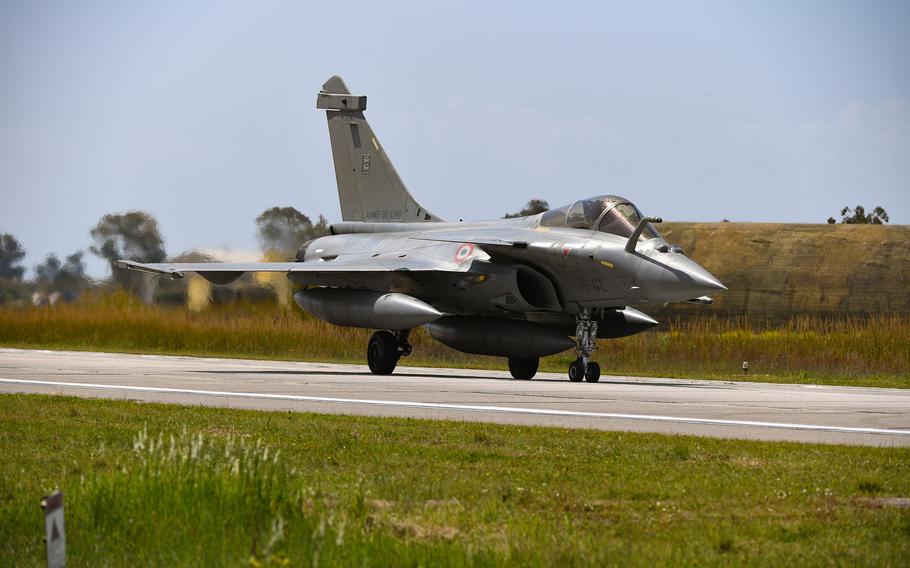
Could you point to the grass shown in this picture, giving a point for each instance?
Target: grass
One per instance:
(150, 484)
(872, 351)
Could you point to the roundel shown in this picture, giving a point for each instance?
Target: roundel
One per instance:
(463, 252)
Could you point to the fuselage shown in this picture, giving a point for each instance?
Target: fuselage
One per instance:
(520, 265)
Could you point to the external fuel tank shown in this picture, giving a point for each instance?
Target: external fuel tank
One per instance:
(503, 337)
(364, 308)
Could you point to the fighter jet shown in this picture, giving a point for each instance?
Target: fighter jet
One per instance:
(519, 288)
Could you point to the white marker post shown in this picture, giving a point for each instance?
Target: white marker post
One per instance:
(54, 534)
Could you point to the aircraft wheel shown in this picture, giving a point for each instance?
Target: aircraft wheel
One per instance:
(524, 369)
(592, 373)
(577, 371)
(382, 353)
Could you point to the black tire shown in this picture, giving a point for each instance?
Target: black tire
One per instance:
(382, 353)
(577, 371)
(592, 373)
(524, 369)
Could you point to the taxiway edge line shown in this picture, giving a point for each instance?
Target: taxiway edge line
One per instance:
(470, 407)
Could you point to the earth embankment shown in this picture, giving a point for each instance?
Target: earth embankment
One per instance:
(776, 270)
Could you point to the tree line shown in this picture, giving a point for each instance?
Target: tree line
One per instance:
(134, 235)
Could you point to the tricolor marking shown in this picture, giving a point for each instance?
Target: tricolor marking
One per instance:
(464, 252)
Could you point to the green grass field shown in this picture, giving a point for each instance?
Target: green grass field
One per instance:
(149, 484)
(872, 351)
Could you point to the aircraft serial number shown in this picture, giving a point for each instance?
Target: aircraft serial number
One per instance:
(385, 214)
(591, 284)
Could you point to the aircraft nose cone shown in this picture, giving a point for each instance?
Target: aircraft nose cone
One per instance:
(677, 278)
(706, 280)
(693, 280)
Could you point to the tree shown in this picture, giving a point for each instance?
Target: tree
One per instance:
(131, 236)
(532, 207)
(12, 288)
(67, 279)
(283, 229)
(46, 273)
(71, 280)
(858, 216)
(11, 255)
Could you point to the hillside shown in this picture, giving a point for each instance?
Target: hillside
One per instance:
(777, 270)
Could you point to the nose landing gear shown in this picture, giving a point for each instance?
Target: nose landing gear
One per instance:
(585, 344)
(385, 349)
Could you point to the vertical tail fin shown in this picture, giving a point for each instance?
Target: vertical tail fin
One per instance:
(368, 185)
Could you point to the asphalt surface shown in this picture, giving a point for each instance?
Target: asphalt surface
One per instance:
(838, 415)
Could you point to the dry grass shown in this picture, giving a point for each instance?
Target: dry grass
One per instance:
(870, 351)
(803, 348)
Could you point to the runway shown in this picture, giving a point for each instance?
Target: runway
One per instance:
(805, 413)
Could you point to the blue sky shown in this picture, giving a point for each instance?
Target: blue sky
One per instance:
(202, 113)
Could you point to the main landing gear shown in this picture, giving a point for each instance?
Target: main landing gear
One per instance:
(385, 349)
(585, 344)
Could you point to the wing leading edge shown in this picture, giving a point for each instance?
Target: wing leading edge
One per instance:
(227, 272)
(176, 269)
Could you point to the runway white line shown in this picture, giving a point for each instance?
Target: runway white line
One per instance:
(470, 407)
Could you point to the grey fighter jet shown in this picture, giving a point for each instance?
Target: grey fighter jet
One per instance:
(518, 288)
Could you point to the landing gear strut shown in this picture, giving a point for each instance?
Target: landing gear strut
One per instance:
(585, 344)
(385, 349)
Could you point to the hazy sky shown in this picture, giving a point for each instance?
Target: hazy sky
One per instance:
(203, 113)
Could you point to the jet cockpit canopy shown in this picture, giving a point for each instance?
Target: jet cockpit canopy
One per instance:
(604, 213)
